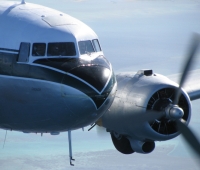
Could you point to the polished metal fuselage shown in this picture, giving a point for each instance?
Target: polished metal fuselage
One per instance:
(35, 98)
(49, 93)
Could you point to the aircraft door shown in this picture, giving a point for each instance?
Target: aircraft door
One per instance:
(24, 52)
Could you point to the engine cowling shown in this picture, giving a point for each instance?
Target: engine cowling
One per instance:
(141, 93)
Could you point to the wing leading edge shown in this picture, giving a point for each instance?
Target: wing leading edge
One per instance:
(191, 85)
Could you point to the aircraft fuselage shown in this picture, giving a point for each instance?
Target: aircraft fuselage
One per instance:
(54, 76)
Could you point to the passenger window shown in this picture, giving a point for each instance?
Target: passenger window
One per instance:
(61, 49)
(85, 47)
(24, 52)
(38, 49)
(96, 45)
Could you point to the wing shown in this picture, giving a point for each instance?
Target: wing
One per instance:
(191, 85)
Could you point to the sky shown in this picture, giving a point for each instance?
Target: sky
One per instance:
(134, 34)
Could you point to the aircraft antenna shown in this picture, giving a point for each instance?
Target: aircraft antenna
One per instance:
(23, 2)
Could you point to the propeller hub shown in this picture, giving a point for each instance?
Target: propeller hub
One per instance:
(174, 112)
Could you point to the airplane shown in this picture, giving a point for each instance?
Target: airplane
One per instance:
(55, 78)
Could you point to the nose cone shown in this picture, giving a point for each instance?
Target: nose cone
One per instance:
(95, 73)
(176, 112)
(93, 77)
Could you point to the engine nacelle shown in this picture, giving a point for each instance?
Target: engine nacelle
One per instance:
(139, 93)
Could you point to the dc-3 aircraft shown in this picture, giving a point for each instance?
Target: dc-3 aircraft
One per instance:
(54, 78)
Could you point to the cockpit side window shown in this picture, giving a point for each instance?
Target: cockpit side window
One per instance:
(38, 49)
(85, 47)
(24, 52)
(61, 49)
(96, 45)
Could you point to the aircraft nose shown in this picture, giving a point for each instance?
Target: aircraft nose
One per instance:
(95, 76)
(92, 76)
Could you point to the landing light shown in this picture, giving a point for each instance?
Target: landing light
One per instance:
(106, 72)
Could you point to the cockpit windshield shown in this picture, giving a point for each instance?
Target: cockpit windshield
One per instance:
(40, 49)
(61, 49)
(89, 46)
(96, 45)
(85, 47)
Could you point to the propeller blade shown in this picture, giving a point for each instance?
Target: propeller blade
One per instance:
(189, 137)
(189, 61)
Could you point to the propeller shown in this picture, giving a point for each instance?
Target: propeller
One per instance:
(188, 63)
(173, 111)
